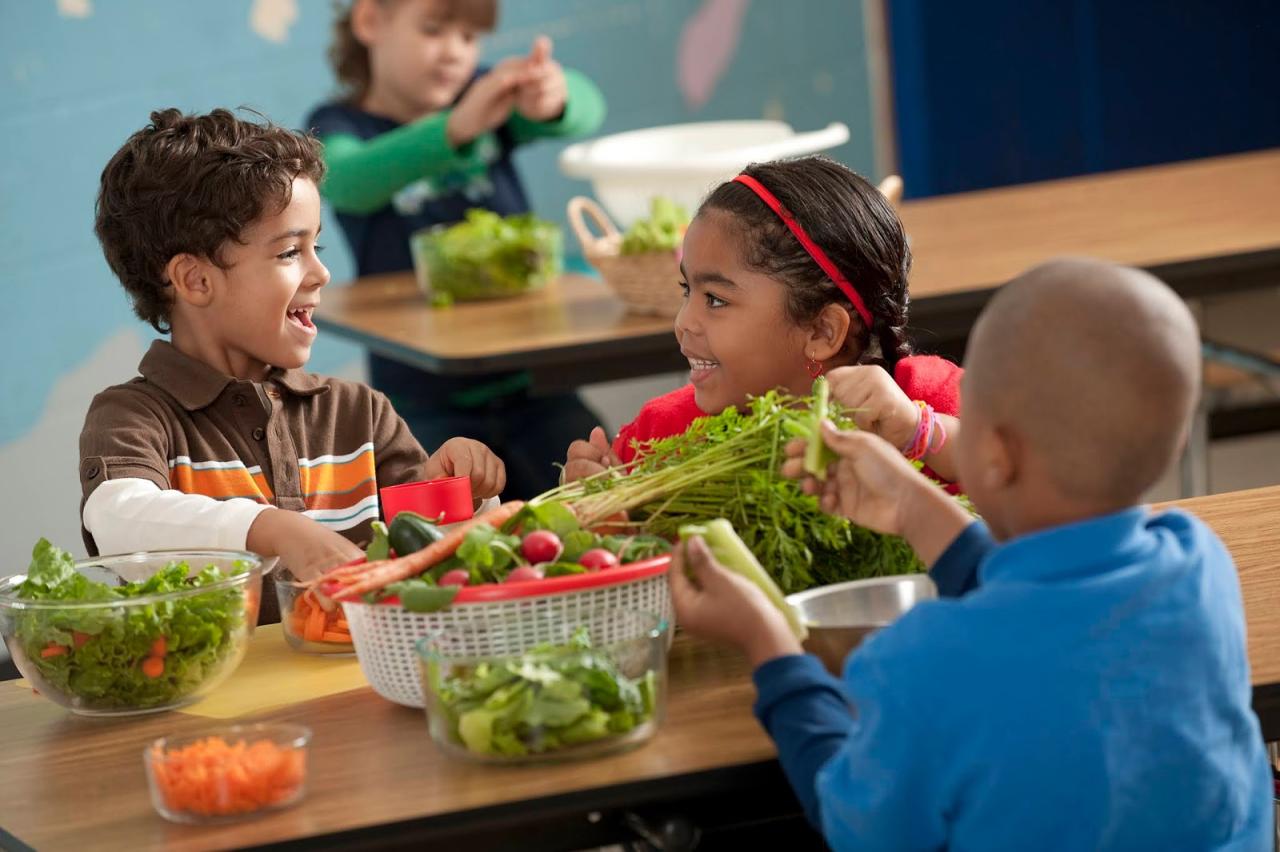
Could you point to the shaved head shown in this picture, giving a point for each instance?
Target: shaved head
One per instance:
(1094, 369)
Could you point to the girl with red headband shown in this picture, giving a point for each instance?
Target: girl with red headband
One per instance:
(793, 270)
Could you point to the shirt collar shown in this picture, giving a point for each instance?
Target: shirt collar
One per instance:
(1076, 550)
(195, 385)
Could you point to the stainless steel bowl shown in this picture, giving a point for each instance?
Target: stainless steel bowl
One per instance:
(840, 616)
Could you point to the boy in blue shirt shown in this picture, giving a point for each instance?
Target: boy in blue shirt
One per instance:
(1083, 681)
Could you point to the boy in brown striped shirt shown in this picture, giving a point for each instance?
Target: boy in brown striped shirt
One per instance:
(210, 223)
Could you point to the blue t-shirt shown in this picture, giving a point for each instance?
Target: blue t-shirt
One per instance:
(1091, 692)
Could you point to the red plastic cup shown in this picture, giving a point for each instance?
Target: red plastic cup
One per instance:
(444, 501)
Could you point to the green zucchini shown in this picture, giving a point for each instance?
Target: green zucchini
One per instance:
(410, 532)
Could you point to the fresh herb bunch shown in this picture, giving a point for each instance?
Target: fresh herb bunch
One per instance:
(728, 466)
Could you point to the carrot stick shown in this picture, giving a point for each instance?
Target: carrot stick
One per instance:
(335, 636)
(314, 628)
(379, 575)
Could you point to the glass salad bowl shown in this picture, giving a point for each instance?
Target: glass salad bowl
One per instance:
(600, 690)
(134, 633)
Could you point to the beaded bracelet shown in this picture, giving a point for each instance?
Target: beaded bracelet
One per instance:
(921, 443)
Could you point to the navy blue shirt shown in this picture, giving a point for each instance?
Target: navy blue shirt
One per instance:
(380, 240)
(1090, 691)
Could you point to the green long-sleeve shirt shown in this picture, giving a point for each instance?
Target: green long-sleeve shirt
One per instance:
(366, 171)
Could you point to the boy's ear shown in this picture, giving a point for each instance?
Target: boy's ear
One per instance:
(366, 15)
(189, 277)
(828, 334)
(1003, 458)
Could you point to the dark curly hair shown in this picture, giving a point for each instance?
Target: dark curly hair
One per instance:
(857, 228)
(350, 58)
(188, 184)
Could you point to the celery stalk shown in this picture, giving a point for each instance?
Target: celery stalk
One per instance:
(817, 456)
(730, 552)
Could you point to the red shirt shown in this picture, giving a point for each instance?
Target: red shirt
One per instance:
(924, 377)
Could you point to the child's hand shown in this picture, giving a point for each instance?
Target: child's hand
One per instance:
(306, 547)
(543, 95)
(465, 457)
(880, 406)
(874, 486)
(589, 457)
(718, 604)
(869, 484)
(488, 103)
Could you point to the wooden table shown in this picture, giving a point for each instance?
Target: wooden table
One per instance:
(1205, 226)
(572, 332)
(68, 782)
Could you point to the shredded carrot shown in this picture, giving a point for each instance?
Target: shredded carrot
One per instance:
(52, 650)
(79, 639)
(153, 667)
(160, 647)
(212, 777)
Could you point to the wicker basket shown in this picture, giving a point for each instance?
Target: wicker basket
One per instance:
(511, 619)
(646, 283)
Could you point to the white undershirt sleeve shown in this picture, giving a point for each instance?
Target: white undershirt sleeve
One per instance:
(126, 515)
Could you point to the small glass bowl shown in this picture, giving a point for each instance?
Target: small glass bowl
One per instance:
(227, 773)
(545, 702)
(332, 635)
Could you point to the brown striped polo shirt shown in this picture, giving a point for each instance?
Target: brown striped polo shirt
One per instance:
(296, 441)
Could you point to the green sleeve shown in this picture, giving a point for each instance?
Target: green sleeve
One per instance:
(364, 174)
(584, 112)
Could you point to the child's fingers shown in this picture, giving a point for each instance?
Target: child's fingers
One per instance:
(600, 441)
(846, 444)
(583, 450)
(576, 469)
(461, 460)
(541, 50)
(495, 476)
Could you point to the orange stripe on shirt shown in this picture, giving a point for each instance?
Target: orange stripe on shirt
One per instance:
(344, 499)
(337, 477)
(220, 484)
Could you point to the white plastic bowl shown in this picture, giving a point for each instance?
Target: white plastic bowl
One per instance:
(683, 162)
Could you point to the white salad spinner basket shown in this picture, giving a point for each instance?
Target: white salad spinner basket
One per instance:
(683, 162)
(512, 617)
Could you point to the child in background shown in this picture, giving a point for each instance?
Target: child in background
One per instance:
(1083, 683)
(210, 223)
(421, 136)
(792, 270)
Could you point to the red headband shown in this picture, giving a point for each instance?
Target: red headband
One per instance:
(815, 252)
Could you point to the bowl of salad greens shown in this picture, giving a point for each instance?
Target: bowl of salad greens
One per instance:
(134, 633)
(486, 256)
(600, 690)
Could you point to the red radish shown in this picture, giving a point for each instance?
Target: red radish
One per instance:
(456, 577)
(598, 559)
(523, 574)
(541, 546)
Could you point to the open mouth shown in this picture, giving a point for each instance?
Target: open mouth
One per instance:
(701, 368)
(302, 317)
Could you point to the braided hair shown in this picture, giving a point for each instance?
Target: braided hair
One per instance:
(857, 228)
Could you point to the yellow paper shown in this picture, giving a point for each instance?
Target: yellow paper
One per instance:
(274, 675)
